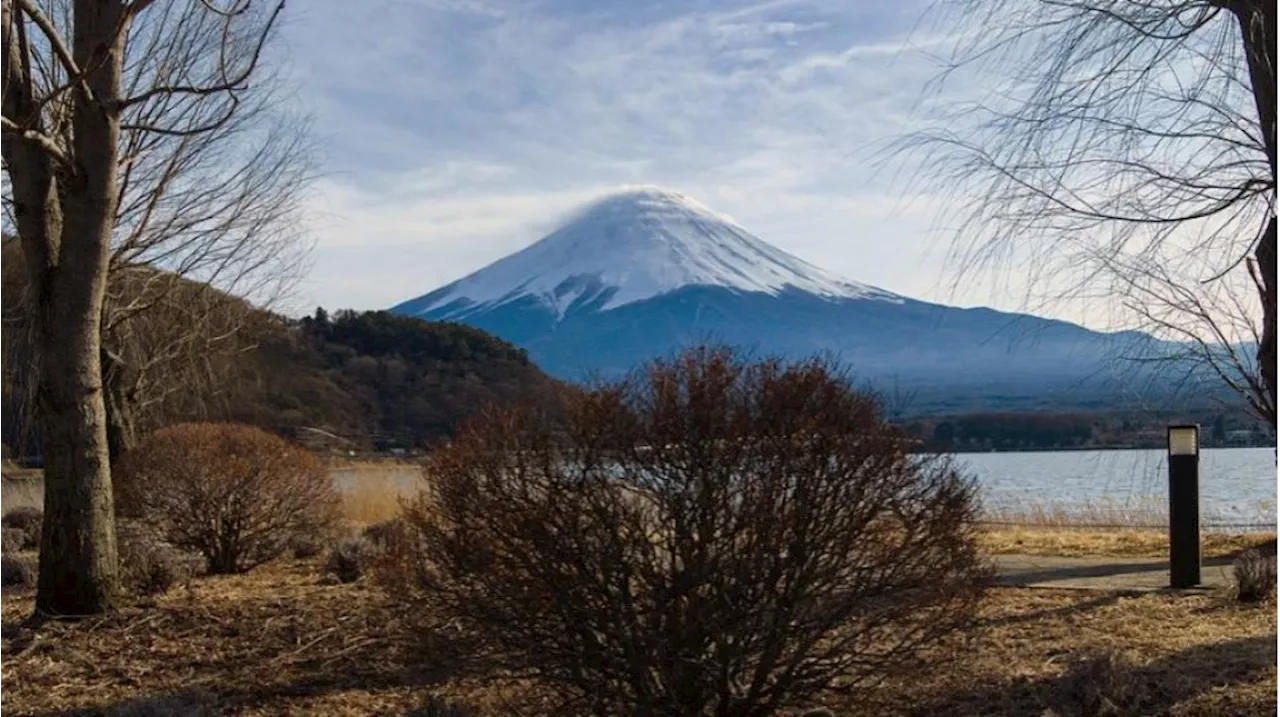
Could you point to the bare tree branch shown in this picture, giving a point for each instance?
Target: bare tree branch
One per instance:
(1129, 152)
(229, 82)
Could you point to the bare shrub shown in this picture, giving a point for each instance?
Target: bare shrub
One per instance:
(1255, 576)
(349, 559)
(12, 540)
(148, 568)
(707, 536)
(27, 519)
(437, 706)
(303, 547)
(18, 570)
(1096, 685)
(176, 704)
(386, 533)
(234, 493)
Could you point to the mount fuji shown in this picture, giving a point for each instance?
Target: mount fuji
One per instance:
(638, 274)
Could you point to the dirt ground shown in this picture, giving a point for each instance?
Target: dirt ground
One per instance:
(278, 642)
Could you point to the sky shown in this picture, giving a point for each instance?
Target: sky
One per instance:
(458, 131)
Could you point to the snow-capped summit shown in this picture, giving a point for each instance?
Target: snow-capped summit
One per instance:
(641, 273)
(634, 245)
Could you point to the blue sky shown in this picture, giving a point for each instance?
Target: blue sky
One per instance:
(458, 131)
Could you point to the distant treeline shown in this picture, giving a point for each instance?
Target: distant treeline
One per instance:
(376, 382)
(1059, 431)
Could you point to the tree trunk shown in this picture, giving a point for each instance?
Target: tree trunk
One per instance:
(79, 573)
(1266, 256)
(1257, 20)
(119, 397)
(78, 564)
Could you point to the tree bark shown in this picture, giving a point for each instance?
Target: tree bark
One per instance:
(120, 397)
(1266, 257)
(78, 563)
(1257, 20)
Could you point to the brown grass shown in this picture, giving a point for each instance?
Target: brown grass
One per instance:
(1192, 656)
(1072, 542)
(1147, 513)
(372, 492)
(1101, 529)
(276, 642)
(22, 492)
(1127, 514)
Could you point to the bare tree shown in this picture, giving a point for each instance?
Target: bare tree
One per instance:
(209, 195)
(1130, 152)
(174, 356)
(82, 80)
(1214, 327)
(210, 192)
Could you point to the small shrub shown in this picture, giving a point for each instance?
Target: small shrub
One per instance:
(177, 704)
(12, 540)
(437, 706)
(233, 493)
(386, 533)
(303, 547)
(707, 536)
(1255, 576)
(1097, 685)
(349, 559)
(28, 520)
(148, 568)
(18, 571)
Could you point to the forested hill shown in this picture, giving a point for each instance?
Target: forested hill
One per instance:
(381, 380)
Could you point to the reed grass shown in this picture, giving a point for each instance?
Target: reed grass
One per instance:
(1130, 529)
(373, 492)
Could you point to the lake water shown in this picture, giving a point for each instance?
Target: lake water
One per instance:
(1237, 485)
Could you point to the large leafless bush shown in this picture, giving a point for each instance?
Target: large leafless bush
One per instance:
(708, 536)
(234, 493)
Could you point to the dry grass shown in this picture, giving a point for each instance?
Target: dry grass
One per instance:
(1073, 542)
(366, 465)
(1120, 514)
(1191, 656)
(22, 492)
(276, 642)
(1102, 529)
(374, 491)
(1133, 514)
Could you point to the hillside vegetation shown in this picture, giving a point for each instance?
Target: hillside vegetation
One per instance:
(379, 380)
(357, 381)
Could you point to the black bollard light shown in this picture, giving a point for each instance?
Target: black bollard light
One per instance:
(1184, 506)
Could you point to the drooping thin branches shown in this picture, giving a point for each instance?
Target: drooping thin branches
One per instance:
(1125, 143)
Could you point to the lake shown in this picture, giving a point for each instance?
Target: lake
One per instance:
(1237, 485)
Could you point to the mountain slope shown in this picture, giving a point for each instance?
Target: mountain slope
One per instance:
(644, 272)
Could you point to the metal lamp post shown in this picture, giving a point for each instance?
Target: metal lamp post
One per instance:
(1184, 506)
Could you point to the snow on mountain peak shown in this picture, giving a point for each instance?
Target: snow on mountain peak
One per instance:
(639, 243)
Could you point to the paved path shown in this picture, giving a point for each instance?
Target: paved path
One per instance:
(1112, 574)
